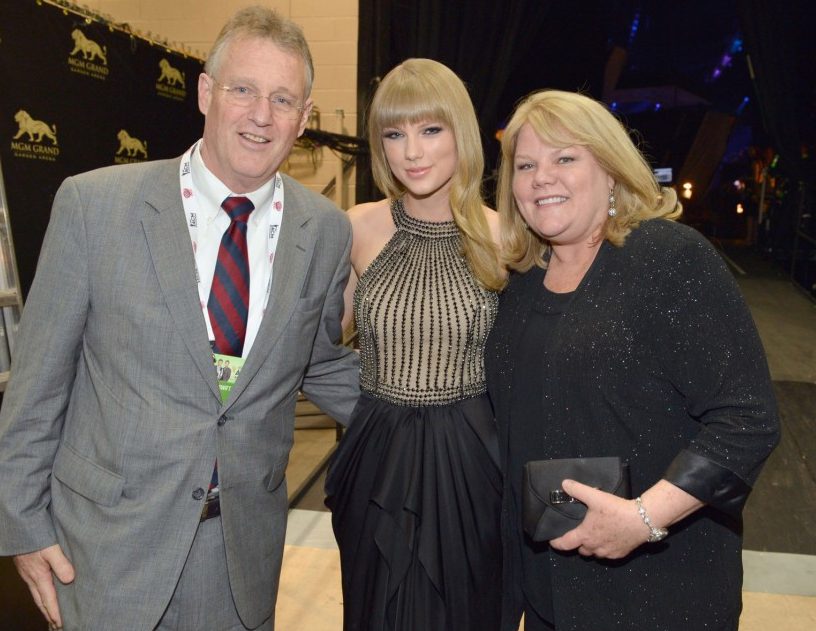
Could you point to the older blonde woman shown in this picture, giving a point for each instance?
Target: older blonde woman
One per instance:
(415, 485)
(621, 333)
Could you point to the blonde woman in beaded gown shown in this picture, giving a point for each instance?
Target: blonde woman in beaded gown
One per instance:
(415, 486)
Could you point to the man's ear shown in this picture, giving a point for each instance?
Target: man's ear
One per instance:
(304, 116)
(204, 93)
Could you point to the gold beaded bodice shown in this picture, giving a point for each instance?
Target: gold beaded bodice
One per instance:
(422, 318)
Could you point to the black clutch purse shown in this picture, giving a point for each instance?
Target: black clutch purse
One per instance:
(547, 511)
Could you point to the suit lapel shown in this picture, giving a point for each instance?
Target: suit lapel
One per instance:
(290, 268)
(168, 240)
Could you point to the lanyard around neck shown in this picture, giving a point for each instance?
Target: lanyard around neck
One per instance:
(192, 202)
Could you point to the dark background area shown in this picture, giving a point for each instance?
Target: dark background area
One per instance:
(88, 100)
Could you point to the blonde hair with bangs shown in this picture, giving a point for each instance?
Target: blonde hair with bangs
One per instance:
(420, 90)
(563, 119)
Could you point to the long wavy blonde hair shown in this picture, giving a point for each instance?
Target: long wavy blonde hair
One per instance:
(421, 90)
(563, 119)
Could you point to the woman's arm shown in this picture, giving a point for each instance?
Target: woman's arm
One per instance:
(371, 228)
(709, 350)
(613, 526)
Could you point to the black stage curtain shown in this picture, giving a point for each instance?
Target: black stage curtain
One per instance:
(782, 50)
(501, 50)
(781, 47)
(78, 94)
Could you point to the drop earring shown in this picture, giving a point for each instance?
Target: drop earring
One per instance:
(612, 210)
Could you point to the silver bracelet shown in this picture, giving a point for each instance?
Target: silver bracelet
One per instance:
(655, 534)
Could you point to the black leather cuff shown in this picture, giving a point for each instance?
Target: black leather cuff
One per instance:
(709, 482)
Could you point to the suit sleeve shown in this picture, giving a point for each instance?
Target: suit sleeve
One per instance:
(42, 375)
(712, 353)
(332, 377)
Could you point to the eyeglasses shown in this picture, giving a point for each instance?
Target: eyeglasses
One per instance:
(244, 96)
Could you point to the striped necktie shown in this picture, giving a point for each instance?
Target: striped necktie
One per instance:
(228, 304)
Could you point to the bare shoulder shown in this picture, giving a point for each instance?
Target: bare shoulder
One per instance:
(372, 227)
(492, 218)
(371, 218)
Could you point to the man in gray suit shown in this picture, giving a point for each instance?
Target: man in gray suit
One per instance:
(113, 420)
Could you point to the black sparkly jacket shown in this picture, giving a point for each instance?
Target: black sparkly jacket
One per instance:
(655, 359)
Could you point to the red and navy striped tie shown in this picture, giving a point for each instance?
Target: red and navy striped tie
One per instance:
(228, 304)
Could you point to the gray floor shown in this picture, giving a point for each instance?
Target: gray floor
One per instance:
(781, 513)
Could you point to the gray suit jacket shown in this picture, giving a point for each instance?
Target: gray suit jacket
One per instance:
(112, 419)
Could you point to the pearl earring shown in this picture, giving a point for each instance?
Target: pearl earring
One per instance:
(612, 210)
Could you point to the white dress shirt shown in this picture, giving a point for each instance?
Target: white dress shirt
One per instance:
(213, 223)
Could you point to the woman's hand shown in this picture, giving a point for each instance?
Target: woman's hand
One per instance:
(613, 527)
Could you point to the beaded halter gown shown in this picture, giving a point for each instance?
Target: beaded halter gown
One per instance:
(415, 486)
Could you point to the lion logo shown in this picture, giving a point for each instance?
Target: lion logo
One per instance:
(34, 128)
(170, 75)
(90, 49)
(132, 146)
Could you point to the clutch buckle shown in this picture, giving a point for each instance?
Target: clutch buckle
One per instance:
(561, 497)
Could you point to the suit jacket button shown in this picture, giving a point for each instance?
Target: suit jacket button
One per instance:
(199, 493)
(222, 421)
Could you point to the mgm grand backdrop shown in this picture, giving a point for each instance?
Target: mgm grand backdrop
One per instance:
(80, 93)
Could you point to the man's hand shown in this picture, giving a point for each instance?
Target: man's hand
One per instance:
(36, 569)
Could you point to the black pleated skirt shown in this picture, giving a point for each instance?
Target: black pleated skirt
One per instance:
(415, 495)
